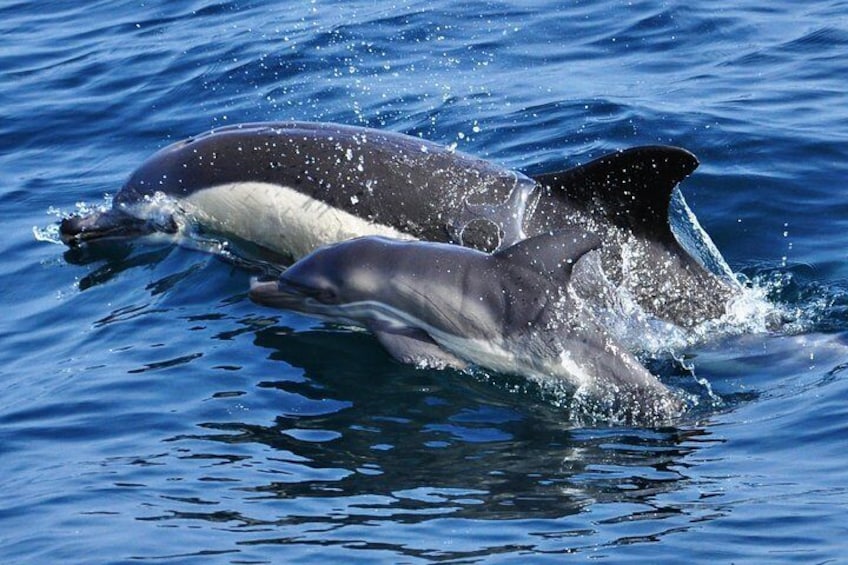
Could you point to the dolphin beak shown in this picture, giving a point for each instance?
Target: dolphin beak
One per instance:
(112, 223)
(276, 293)
(266, 292)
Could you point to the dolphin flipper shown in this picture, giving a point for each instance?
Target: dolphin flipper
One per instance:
(415, 347)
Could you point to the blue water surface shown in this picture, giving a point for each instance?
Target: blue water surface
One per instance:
(150, 412)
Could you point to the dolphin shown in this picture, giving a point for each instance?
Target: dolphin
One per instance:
(293, 187)
(512, 311)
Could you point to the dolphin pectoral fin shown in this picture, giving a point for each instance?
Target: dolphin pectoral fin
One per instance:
(417, 348)
(614, 385)
(631, 189)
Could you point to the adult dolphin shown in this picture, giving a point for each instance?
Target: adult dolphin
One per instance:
(293, 187)
(518, 310)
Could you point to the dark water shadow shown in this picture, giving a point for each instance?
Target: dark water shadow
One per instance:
(409, 445)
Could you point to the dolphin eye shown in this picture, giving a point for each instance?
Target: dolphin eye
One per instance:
(326, 295)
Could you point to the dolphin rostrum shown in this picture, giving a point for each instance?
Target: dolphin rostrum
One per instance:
(513, 311)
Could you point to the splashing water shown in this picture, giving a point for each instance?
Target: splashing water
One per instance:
(50, 232)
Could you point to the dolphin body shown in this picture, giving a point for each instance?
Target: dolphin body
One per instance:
(518, 310)
(293, 187)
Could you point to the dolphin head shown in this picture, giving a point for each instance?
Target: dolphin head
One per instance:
(382, 283)
(327, 281)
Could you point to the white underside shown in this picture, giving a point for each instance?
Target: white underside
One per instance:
(279, 217)
(491, 353)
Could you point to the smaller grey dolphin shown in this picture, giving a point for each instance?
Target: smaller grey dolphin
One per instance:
(513, 311)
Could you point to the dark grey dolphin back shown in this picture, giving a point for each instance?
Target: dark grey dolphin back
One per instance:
(384, 177)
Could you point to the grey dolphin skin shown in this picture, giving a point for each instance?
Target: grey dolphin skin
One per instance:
(293, 187)
(514, 311)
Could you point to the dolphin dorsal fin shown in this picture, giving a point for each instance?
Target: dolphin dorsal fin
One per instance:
(631, 188)
(551, 254)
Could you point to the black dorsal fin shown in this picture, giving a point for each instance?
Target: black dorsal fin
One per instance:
(631, 188)
(551, 254)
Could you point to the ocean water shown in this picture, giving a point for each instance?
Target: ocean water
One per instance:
(150, 412)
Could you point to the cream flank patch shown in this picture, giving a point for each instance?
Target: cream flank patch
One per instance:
(491, 353)
(278, 217)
